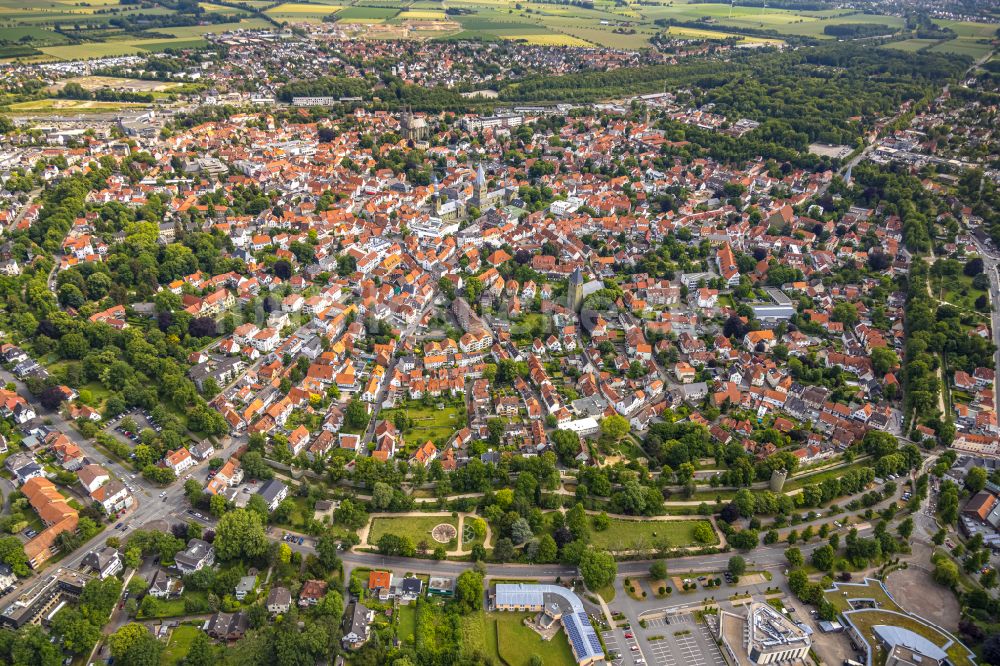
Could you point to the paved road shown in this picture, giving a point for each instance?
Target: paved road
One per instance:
(990, 264)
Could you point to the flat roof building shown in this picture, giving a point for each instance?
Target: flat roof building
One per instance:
(763, 636)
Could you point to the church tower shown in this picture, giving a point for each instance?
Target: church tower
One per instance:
(479, 186)
(574, 295)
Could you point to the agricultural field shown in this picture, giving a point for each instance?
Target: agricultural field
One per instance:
(359, 14)
(35, 22)
(297, 12)
(911, 45)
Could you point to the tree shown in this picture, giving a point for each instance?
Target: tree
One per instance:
(745, 503)
(615, 426)
(547, 550)
(356, 414)
(255, 467)
(945, 571)
(503, 550)
(125, 638)
(240, 534)
(703, 533)
(77, 632)
(200, 652)
(598, 568)
(327, 550)
(469, 590)
(217, 505)
(794, 557)
(51, 397)
(737, 566)
(520, 531)
(12, 554)
(823, 557)
(991, 649)
(382, 495)
(745, 539)
(976, 479)
(658, 570)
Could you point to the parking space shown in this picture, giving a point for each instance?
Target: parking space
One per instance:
(679, 640)
(613, 647)
(660, 653)
(632, 653)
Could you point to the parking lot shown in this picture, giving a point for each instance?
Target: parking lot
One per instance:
(611, 643)
(678, 640)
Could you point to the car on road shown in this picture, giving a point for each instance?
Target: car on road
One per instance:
(118, 526)
(163, 494)
(301, 540)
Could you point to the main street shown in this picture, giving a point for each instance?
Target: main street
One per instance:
(990, 265)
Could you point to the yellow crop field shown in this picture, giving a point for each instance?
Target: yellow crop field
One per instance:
(549, 40)
(303, 8)
(421, 14)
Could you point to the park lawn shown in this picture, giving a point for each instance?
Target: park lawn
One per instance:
(804, 480)
(416, 528)
(178, 645)
(518, 643)
(624, 534)
(429, 423)
(956, 289)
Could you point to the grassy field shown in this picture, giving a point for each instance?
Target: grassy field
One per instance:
(911, 45)
(178, 645)
(478, 636)
(797, 482)
(295, 12)
(429, 423)
(603, 24)
(406, 630)
(624, 535)
(35, 20)
(366, 14)
(417, 528)
(518, 643)
(957, 290)
(74, 105)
